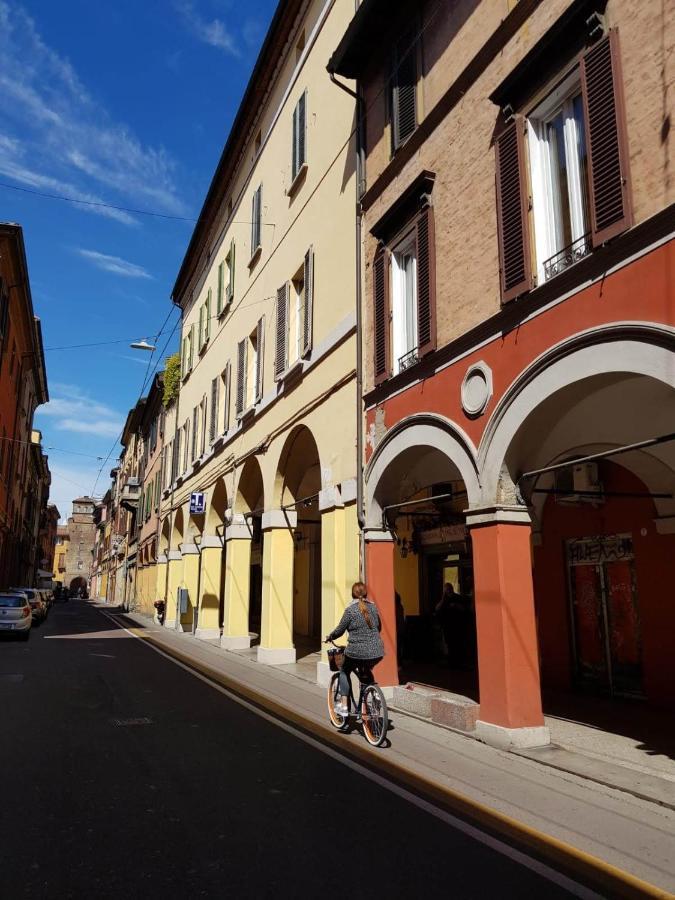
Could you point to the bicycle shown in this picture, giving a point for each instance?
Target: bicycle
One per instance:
(370, 710)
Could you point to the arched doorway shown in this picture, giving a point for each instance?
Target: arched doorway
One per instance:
(78, 587)
(297, 488)
(603, 515)
(419, 481)
(249, 505)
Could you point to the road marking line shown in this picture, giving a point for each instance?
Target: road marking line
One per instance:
(534, 865)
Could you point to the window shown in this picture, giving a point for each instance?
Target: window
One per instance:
(226, 280)
(250, 354)
(204, 426)
(578, 169)
(186, 445)
(404, 303)
(186, 355)
(257, 145)
(299, 153)
(256, 213)
(559, 177)
(213, 421)
(294, 317)
(404, 291)
(225, 380)
(404, 90)
(205, 321)
(300, 46)
(195, 433)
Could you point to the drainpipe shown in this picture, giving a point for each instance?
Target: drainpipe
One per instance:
(360, 169)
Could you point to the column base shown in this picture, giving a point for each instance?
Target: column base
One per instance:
(235, 641)
(207, 634)
(276, 656)
(512, 738)
(323, 673)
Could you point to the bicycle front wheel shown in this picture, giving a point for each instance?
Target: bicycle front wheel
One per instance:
(337, 720)
(375, 715)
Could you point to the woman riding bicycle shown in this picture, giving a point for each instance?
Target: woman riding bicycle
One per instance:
(364, 645)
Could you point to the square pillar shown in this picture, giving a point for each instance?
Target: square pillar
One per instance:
(174, 581)
(333, 578)
(380, 581)
(158, 584)
(208, 627)
(508, 660)
(235, 634)
(191, 564)
(276, 638)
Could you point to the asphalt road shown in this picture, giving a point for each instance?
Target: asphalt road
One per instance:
(123, 775)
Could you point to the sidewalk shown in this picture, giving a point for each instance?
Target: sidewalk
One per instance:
(598, 805)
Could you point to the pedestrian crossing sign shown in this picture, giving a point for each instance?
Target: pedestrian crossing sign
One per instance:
(197, 503)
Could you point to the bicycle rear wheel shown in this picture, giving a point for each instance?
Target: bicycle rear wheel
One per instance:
(338, 721)
(375, 715)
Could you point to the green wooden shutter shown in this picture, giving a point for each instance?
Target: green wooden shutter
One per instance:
(219, 296)
(208, 314)
(308, 312)
(230, 294)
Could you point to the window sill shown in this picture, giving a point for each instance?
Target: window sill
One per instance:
(223, 312)
(298, 180)
(185, 377)
(292, 374)
(257, 253)
(247, 414)
(203, 347)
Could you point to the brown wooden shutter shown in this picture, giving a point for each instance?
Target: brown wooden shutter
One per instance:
(213, 422)
(281, 338)
(260, 358)
(241, 376)
(515, 258)
(308, 317)
(426, 282)
(381, 315)
(404, 101)
(605, 123)
(227, 380)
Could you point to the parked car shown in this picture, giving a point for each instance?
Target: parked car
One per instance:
(16, 615)
(48, 594)
(36, 600)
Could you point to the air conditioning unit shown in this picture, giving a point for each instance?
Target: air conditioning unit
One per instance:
(579, 483)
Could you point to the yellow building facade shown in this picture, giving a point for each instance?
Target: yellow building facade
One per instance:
(262, 436)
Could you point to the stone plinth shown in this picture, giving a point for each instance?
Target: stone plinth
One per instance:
(455, 711)
(414, 698)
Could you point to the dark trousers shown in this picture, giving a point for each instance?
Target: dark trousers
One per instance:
(350, 665)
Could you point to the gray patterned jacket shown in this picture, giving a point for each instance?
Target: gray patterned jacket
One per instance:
(364, 642)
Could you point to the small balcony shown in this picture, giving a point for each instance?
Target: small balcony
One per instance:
(408, 359)
(567, 257)
(131, 494)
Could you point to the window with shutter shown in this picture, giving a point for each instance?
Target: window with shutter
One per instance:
(512, 212)
(260, 356)
(404, 90)
(299, 157)
(230, 265)
(307, 319)
(241, 376)
(381, 314)
(225, 387)
(213, 422)
(191, 344)
(281, 343)
(220, 293)
(256, 214)
(195, 433)
(203, 425)
(607, 144)
(202, 310)
(207, 316)
(426, 282)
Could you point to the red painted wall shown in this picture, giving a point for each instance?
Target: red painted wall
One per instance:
(655, 576)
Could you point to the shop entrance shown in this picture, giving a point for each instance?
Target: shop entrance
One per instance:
(255, 580)
(605, 616)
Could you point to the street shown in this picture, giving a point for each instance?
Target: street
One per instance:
(124, 775)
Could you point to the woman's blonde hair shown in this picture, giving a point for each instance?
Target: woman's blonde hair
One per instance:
(360, 592)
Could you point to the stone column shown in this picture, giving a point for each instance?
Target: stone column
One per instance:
(209, 588)
(175, 580)
(508, 661)
(235, 634)
(333, 578)
(276, 638)
(380, 580)
(191, 563)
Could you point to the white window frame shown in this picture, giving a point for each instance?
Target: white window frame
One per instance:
(546, 222)
(403, 343)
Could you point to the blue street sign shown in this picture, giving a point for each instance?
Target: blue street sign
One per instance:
(197, 503)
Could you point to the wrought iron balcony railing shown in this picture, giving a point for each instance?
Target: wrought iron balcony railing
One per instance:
(408, 359)
(567, 257)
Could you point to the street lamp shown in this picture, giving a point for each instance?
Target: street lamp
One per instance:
(143, 345)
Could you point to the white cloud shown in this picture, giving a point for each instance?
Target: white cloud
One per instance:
(114, 264)
(74, 410)
(71, 141)
(214, 32)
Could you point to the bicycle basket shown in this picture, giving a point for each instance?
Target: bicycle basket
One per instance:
(336, 658)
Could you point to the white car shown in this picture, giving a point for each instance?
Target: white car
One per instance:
(16, 615)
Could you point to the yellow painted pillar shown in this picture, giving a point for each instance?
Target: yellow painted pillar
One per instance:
(159, 591)
(276, 638)
(175, 580)
(333, 577)
(191, 565)
(235, 634)
(208, 626)
(140, 589)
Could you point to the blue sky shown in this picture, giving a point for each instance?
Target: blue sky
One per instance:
(128, 103)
